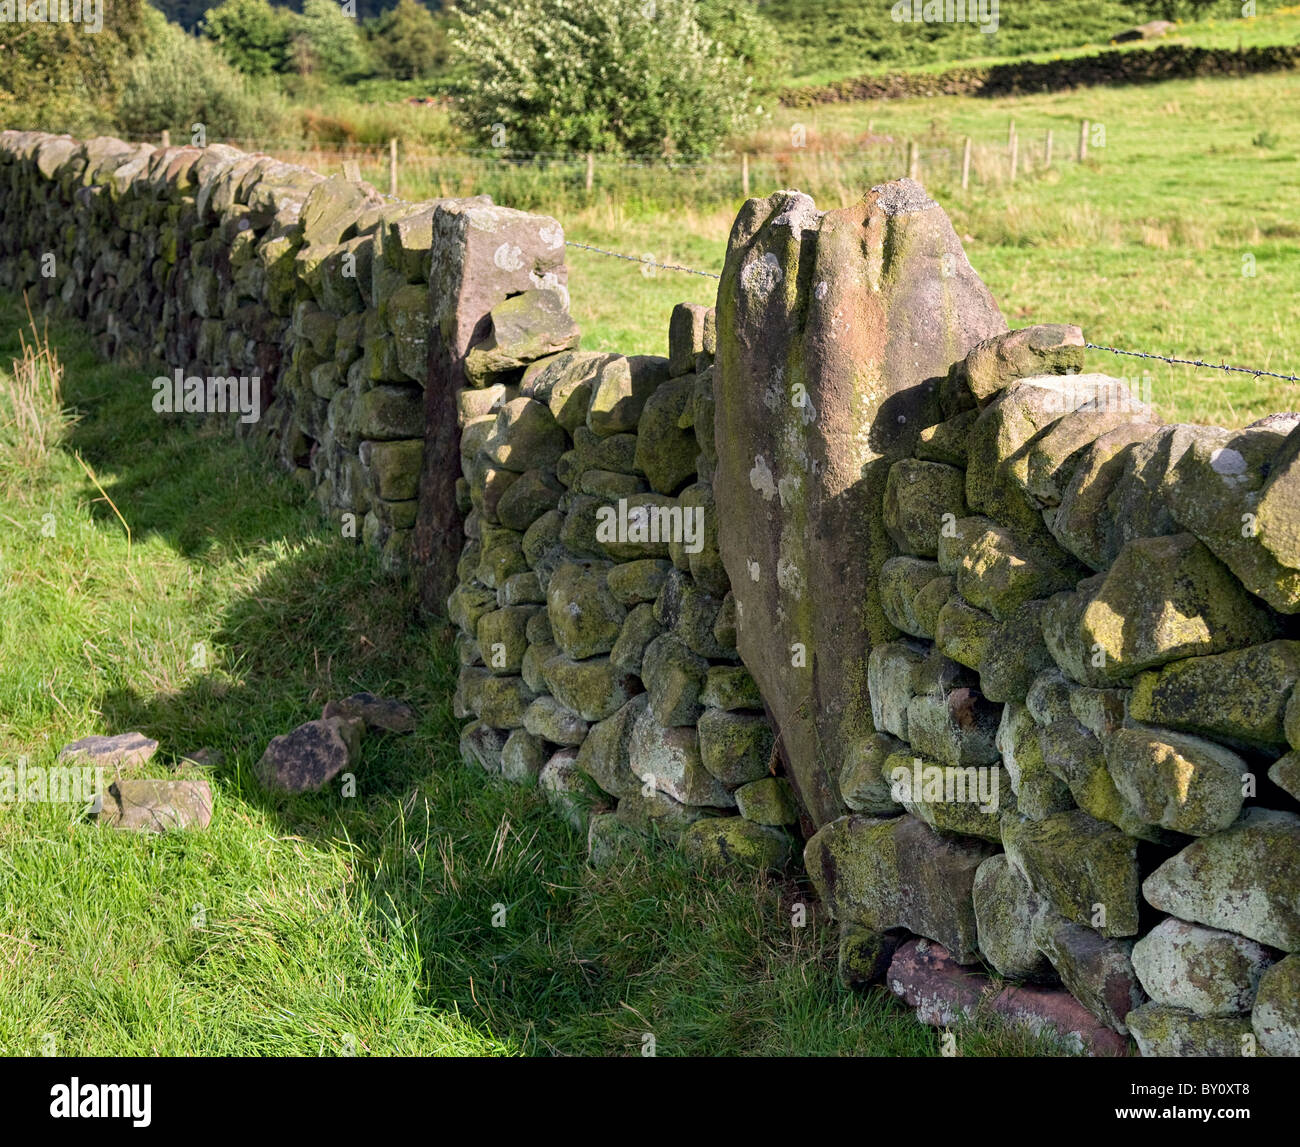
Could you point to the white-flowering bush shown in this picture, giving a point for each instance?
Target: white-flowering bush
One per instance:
(639, 77)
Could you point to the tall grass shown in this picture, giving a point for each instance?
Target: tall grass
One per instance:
(32, 414)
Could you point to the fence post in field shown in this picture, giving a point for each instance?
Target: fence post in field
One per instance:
(591, 171)
(913, 160)
(1047, 150)
(1083, 140)
(392, 166)
(965, 165)
(1015, 155)
(166, 138)
(352, 171)
(744, 174)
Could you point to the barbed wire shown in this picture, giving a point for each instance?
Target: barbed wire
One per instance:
(644, 262)
(1257, 373)
(1196, 362)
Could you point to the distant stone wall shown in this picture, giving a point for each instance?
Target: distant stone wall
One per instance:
(314, 291)
(1024, 77)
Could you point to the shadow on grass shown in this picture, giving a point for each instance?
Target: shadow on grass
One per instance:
(514, 931)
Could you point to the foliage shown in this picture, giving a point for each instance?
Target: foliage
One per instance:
(327, 41)
(631, 76)
(178, 81)
(57, 74)
(253, 35)
(408, 42)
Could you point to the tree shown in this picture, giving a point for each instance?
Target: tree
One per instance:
(327, 40)
(251, 34)
(408, 42)
(632, 76)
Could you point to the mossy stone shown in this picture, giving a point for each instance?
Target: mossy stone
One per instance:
(1166, 1032)
(946, 441)
(481, 746)
(1204, 970)
(638, 581)
(592, 688)
(674, 677)
(639, 629)
(1046, 349)
(1015, 655)
(1285, 773)
(535, 658)
(523, 756)
(609, 486)
(665, 452)
(605, 755)
(669, 758)
(1078, 863)
(621, 390)
(1242, 695)
(1039, 792)
(929, 603)
(525, 436)
(502, 638)
(585, 617)
(735, 747)
(731, 687)
(901, 580)
(919, 498)
(769, 800)
(964, 633)
(527, 499)
(1242, 880)
(548, 719)
(967, 801)
(864, 779)
(1275, 1019)
(1180, 782)
(1006, 913)
(395, 468)
(733, 842)
(999, 574)
(503, 701)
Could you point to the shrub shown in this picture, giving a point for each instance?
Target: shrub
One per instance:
(178, 81)
(251, 35)
(408, 42)
(631, 76)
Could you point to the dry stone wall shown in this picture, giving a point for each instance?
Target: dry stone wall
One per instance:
(309, 295)
(853, 567)
(1079, 768)
(596, 624)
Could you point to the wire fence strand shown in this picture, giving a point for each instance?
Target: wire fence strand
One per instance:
(1254, 371)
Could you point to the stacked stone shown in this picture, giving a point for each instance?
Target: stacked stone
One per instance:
(1097, 608)
(598, 660)
(222, 264)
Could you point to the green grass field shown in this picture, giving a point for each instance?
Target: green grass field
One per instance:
(1177, 237)
(322, 925)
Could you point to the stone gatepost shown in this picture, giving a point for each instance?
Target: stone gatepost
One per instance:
(481, 255)
(836, 331)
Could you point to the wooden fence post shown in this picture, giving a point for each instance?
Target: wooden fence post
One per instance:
(965, 165)
(591, 171)
(1083, 139)
(1047, 150)
(166, 138)
(744, 174)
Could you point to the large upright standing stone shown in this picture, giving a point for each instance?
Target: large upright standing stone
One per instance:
(835, 330)
(481, 255)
